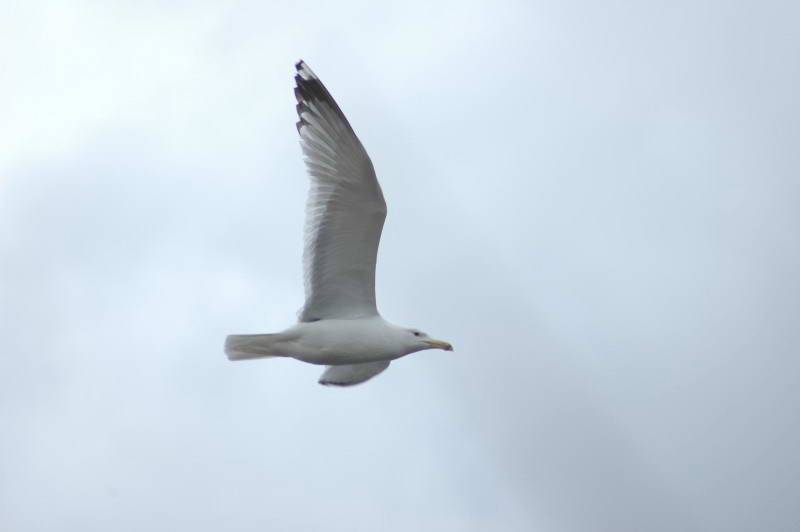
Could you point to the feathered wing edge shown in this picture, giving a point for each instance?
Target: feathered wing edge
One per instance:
(309, 88)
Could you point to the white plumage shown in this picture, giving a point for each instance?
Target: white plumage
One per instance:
(339, 324)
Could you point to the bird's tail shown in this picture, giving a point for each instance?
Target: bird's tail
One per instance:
(247, 346)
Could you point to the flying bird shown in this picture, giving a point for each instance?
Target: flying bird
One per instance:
(339, 325)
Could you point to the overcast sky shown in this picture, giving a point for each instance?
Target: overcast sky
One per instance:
(595, 202)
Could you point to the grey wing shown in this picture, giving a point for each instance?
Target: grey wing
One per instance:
(351, 374)
(345, 210)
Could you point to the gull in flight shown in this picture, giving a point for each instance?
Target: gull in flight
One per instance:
(339, 325)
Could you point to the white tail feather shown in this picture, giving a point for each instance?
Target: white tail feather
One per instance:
(248, 346)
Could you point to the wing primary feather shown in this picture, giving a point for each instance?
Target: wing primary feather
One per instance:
(313, 89)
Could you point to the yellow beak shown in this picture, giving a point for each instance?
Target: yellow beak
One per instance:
(440, 345)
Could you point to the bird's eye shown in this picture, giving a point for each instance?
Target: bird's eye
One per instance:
(417, 333)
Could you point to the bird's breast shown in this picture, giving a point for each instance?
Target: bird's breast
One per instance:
(334, 342)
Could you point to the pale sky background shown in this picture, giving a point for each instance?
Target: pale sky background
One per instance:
(596, 202)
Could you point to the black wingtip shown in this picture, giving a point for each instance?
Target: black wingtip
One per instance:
(309, 88)
(301, 66)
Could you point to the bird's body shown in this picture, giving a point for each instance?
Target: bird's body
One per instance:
(334, 342)
(339, 323)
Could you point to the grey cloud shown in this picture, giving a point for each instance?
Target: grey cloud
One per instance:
(597, 206)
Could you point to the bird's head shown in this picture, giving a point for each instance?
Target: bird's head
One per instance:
(419, 341)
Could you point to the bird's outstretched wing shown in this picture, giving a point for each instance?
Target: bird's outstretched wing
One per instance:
(345, 209)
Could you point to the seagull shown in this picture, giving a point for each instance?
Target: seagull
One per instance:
(339, 325)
